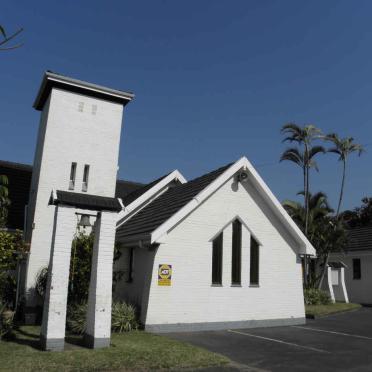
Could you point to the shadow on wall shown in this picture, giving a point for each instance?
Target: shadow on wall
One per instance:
(134, 286)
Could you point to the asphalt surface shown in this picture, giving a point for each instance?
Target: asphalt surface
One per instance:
(341, 342)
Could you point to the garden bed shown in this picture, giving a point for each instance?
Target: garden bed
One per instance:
(129, 351)
(317, 311)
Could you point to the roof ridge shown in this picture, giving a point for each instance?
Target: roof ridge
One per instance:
(15, 164)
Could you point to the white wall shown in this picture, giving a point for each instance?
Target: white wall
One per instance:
(188, 248)
(65, 136)
(358, 290)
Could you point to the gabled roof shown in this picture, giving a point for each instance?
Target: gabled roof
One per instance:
(166, 205)
(156, 219)
(135, 194)
(359, 238)
(125, 188)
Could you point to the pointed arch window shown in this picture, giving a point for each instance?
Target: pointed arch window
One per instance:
(255, 262)
(236, 259)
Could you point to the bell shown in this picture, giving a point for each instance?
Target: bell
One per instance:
(84, 221)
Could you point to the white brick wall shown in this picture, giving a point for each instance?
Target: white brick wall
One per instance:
(188, 248)
(99, 302)
(54, 314)
(65, 136)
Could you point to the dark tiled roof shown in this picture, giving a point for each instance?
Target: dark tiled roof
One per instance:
(166, 205)
(19, 183)
(359, 238)
(19, 177)
(124, 188)
(336, 265)
(87, 201)
(129, 198)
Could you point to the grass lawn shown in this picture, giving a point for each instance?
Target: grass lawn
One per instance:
(313, 311)
(128, 351)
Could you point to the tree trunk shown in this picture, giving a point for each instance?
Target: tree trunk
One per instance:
(342, 188)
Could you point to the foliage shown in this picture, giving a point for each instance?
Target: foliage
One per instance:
(303, 155)
(7, 38)
(41, 282)
(4, 200)
(12, 250)
(360, 216)
(343, 147)
(76, 318)
(80, 267)
(314, 296)
(123, 317)
(6, 321)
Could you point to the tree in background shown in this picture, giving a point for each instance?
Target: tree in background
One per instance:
(303, 155)
(325, 232)
(343, 147)
(4, 44)
(4, 200)
(359, 216)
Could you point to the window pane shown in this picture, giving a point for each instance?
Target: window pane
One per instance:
(254, 274)
(72, 176)
(236, 252)
(85, 177)
(357, 270)
(217, 259)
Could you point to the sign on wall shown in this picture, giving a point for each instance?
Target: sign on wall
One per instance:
(165, 275)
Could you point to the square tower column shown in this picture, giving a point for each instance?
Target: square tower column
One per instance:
(54, 312)
(98, 330)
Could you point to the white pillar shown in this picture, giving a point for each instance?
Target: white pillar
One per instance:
(330, 284)
(343, 286)
(54, 312)
(98, 330)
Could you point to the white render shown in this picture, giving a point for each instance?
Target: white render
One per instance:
(358, 290)
(99, 301)
(68, 135)
(191, 299)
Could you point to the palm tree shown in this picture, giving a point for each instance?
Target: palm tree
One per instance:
(326, 233)
(318, 208)
(303, 156)
(343, 147)
(4, 199)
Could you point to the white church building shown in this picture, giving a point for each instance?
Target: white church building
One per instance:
(215, 252)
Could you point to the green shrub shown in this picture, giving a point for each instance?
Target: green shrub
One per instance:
(6, 321)
(76, 318)
(41, 282)
(123, 318)
(315, 296)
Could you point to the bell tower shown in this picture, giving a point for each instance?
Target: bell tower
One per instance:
(77, 151)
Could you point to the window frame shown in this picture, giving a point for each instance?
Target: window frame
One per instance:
(217, 260)
(254, 261)
(130, 265)
(357, 272)
(236, 253)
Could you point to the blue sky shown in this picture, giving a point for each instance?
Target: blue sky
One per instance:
(214, 80)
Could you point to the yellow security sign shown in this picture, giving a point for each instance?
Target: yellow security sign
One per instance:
(165, 275)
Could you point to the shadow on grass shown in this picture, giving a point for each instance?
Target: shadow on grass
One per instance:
(21, 337)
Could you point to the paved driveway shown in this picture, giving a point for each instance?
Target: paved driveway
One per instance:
(340, 342)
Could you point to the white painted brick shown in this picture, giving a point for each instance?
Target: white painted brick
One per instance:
(65, 136)
(188, 248)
